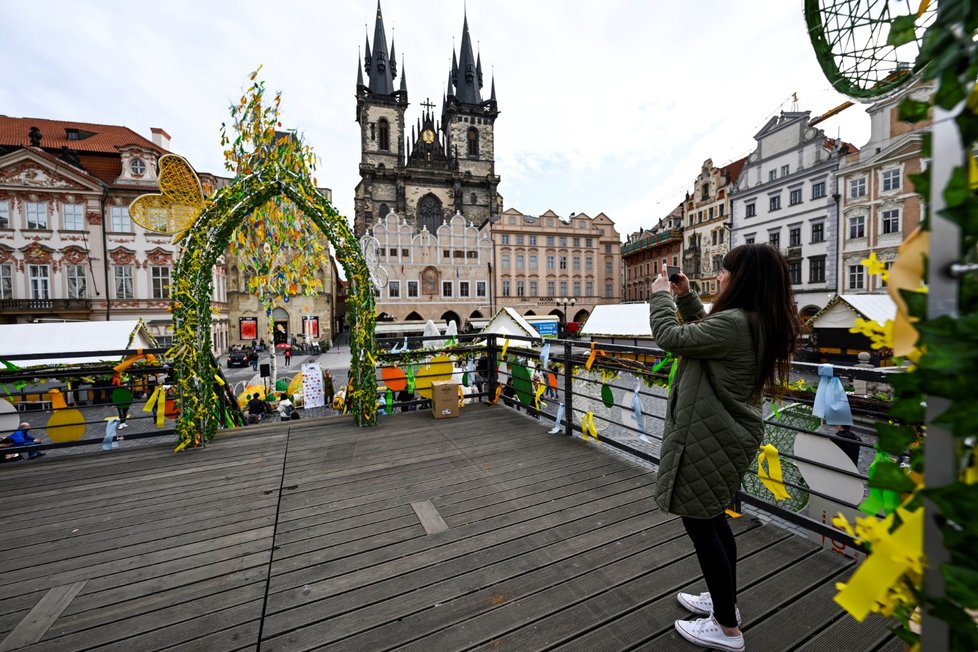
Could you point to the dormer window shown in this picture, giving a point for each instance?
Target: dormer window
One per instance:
(72, 134)
(137, 167)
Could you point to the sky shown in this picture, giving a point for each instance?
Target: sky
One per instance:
(605, 106)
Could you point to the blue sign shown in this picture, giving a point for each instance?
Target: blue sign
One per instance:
(546, 328)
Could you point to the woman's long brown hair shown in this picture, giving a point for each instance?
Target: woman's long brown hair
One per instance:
(759, 284)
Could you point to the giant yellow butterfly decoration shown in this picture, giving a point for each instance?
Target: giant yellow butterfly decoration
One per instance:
(180, 202)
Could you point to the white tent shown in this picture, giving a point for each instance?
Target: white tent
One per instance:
(509, 322)
(68, 337)
(842, 310)
(622, 319)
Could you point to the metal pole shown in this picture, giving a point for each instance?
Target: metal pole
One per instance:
(940, 462)
(568, 388)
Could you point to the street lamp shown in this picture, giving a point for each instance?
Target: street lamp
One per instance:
(565, 302)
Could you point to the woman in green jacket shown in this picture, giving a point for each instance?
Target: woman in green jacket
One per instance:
(713, 418)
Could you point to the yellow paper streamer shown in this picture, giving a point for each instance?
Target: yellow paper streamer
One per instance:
(731, 513)
(591, 357)
(894, 554)
(907, 273)
(219, 380)
(370, 357)
(540, 390)
(181, 446)
(158, 399)
(587, 427)
(771, 476)
(499, 392)
(502, 355)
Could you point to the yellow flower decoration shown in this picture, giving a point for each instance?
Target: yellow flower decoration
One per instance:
(874, 265)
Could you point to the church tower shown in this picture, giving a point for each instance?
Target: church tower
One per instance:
(446, 165)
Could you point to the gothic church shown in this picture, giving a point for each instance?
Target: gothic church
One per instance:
(446, 165)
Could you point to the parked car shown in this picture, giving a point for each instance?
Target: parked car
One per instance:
(237, 357)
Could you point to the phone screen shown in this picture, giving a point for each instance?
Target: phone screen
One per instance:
(672, 273)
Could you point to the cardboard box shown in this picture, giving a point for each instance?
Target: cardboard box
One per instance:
(444, 399)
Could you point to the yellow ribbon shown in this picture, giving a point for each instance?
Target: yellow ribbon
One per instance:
(502, 356)
(590, 358)
(495, 399)
(370, 357)
(587, 427)
(159, 400)
(771, 477)
(540, 390)
(732, 514)
(181, 446)
(219, 380)
(461, 397)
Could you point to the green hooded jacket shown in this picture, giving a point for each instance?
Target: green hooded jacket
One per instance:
(713, 427)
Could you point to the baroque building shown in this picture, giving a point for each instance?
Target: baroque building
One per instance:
(786, 196)
(447, 163)
(879, 205)
(647, 252)
(68, 248)
(547, 265)
(707, 225)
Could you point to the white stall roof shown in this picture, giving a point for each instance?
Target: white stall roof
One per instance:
(509, 322)
(622, 319)
(842, 310)
(406, 327)
(74, 336)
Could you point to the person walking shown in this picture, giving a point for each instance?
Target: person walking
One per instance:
(713, 424)
(253, 359)
(287, 354)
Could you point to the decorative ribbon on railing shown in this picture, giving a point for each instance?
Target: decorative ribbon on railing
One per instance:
(158, 400)
(545, 356)
(219, 380)
(771, 475)
(120, 368)
(541, 388)
(731, 513)
(831, 402)
(109, 442)
(370, 357)
(661, 363)
(897, 549)
(461, 397)
(774, 408)
(594, 354)
(502, 354)
(389, 401)
(878, 499)
(409, 372)
(558, 418)
(587, 427)
(637, 410)
(495, 398)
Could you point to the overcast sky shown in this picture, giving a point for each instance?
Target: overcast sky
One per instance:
(607, 105)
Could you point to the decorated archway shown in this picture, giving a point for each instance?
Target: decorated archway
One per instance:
(206, 240)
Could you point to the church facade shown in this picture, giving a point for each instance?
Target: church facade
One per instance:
(441, 165)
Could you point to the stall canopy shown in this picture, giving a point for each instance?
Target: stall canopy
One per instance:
(67, 337)
(618, 320)
(509, 322)
(842, 310)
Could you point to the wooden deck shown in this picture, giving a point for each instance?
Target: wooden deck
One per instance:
(305, 537)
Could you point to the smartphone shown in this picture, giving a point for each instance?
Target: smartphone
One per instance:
(673, 273)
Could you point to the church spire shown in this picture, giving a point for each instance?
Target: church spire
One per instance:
(403, 76)
(468, 81)
(359, 74)
(380, 68)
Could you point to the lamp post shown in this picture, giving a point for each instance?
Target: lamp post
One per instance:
(565, 302)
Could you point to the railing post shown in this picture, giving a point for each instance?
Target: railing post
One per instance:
(491, 377)
(568, 388)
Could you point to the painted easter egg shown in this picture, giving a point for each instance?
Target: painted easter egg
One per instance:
(440, 368)
(394, 378)
(522, 384)
(66, 425)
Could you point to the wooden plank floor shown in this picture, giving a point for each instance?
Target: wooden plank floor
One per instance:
(302, 536)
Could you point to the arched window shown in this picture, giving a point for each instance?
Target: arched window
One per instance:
(430, 213)
(414, 317)
(385, 134)
(384, 210)
(473, 141)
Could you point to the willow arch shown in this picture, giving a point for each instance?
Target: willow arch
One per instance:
(206, 241)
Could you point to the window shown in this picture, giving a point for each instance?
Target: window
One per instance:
(772, 175)
(473, 199)
(857, 187)
(794, 197)
(405, 253)
(385, 134)
(6, 281)
(588, 264)
(520, 288)
(550, 241)
(891, 179)
(533, 288)
(794, 237)
(505, 288)
(891, 221)
(609, 291)
(607, 267)
(576, 264)
(504, 261)
(519, 239)
(532, 261)
(520, 260)
(784, 170)
(480, 288)
(393, 252)
(710, 213)
(775, 203)
(73, 217)
(818, 232)
(532, 239)
(577, 288)
(818, 190)
(607, 248)
(589, 288)
(563, 241)
(563, 288)
(463, 288)
(816, 269)
(394, 289)
(563, 262)
(750, 210)
(472, 140)
(123, 281)
(576, 242)
(856, 277)
(4, 214)
(40, 281)
(120, 219)
(412, 289)
(137, 167)
(446, 288)
(551, 288)
(713, 237)
(37, 215)
(587, 242)
(857, 226)
(446, 253)
(794, 272)
(774, 237)
(551, 262)
(749, 240)
(504, 239)
(161, 282)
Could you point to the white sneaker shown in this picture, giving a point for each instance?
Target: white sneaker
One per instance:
(701, 604)
(708, 633)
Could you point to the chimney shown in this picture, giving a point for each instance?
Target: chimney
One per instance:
(160, 138)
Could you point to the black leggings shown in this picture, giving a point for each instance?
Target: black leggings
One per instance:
(716, 550)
